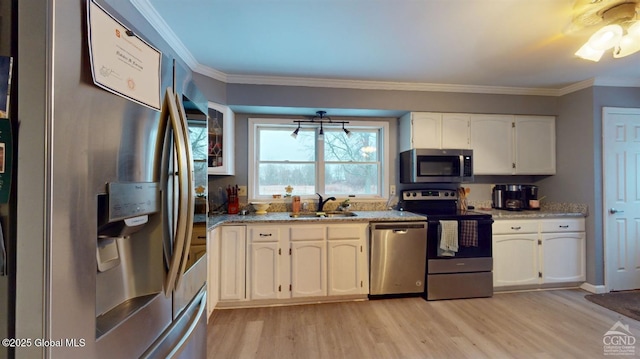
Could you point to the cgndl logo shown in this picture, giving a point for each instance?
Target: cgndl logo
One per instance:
(618, 340)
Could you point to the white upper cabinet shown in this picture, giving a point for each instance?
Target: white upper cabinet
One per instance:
(501, 144)
(535, 143)
(492, 144)
(221, 142)
(420, 130)
(456, 130)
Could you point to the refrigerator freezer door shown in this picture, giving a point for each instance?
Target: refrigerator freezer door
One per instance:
(187, 336)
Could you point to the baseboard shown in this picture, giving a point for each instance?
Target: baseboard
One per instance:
(597, 289)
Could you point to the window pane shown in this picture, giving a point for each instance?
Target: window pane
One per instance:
(361, 146)
(198, 136)
(276, 144)
(351, 179)
(274, 177)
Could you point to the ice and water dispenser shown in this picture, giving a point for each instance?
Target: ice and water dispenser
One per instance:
(129, 251)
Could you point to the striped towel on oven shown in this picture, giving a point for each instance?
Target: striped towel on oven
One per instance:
(468, 233)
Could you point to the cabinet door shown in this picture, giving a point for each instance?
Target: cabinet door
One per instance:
(232, 262)
(221, 140)
(492, 144)
(344, 264)
(264, 270)
(515, 259)
(213, 256)
(455, 130)
(308, 268)
(535, 145)
(563, 257)
(426, 130)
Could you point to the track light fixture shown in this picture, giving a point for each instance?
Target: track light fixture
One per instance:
(321, 119)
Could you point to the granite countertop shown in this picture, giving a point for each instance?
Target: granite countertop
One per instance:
(543, 213)
(281, 217)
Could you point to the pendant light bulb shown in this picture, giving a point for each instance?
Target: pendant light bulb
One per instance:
(347, 132)
(295, 133)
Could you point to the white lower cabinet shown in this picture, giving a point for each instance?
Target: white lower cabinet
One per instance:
(563, 257)
(232, 262)
(347, 258)
(535, 252)
(213, 272)
(515, 259)
(297, 261)
(308, 268)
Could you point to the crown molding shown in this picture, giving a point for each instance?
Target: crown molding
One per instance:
(384, 85)
(157, 22)
(576, 87)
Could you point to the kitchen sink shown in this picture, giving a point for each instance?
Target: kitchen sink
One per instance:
(328, 214)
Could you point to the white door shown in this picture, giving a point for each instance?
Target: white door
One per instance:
(455, 130)
(492, 144)
(535, 145)
(344, 266)
(264, 265)
(426, 128)
(621, 157)
(563, 257)
(515, 259)
(232, 262)
(308, 268)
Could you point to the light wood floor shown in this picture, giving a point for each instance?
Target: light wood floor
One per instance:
(541, 324)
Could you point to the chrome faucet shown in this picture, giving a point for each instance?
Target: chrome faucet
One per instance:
(321, 202)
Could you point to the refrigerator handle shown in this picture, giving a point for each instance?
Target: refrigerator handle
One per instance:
(183, 186)
(188, 212)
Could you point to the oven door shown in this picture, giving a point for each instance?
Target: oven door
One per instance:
(470, 245)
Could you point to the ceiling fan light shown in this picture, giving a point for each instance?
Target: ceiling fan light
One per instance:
(628, 45)
(606, 38)
(588, 53)
(634, 30)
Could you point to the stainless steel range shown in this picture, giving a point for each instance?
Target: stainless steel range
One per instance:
(459, 253)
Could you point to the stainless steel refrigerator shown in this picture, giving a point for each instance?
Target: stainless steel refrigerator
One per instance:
(104, 199)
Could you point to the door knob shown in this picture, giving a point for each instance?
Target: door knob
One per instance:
(614, 211)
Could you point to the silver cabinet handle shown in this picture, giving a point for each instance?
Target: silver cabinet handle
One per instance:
(516, 228)
(564, 226)
(614, 211)
(265, 235)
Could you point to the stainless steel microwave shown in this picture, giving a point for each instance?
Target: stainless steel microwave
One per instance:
(433, 165)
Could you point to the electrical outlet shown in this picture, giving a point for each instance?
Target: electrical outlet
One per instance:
(392, 190)
(242, 191)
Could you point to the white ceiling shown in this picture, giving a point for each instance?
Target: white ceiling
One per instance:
(523, 44)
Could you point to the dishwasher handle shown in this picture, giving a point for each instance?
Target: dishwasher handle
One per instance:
(399, 227)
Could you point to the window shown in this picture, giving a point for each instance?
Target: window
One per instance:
(334, 164)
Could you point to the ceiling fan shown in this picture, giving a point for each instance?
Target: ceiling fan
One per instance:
(620, 27)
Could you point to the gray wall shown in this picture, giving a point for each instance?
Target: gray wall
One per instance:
(298, 96)
(578, 136)
(574, 181)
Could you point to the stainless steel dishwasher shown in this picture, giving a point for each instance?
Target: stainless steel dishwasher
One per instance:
(398, 258)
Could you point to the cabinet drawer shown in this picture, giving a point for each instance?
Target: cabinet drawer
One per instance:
(511, 227)
(562, 225)
(340, 232)
(307, 233)
(199, 235)
(264, 234)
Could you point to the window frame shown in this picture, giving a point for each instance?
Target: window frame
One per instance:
(382, 127)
